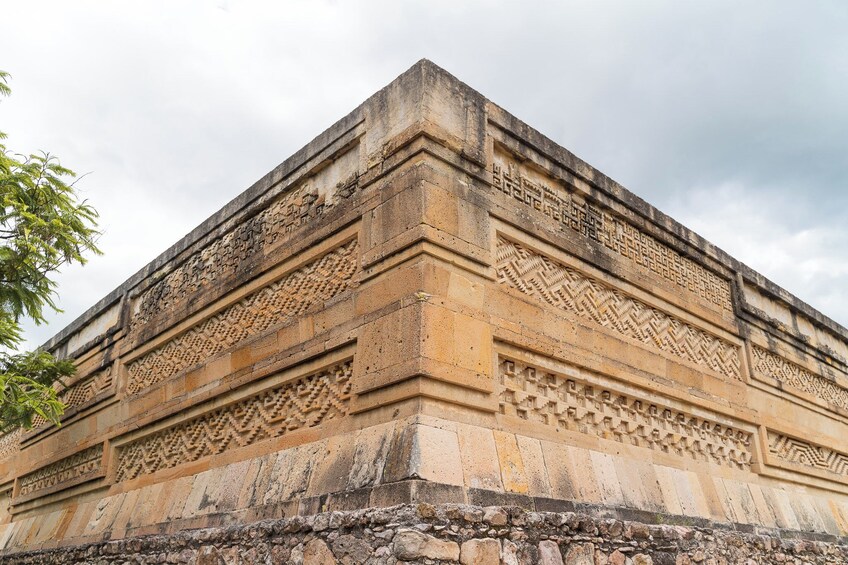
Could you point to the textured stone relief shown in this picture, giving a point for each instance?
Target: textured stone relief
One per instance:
(82, 391)
(797, 377)
(577, 214)
(10, 442)
(303, 403)
(537, 395)
(223, 257)
(285, 299)
(562, 287)
(804, 453)
(84, 464)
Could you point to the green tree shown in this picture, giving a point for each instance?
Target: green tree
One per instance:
(43, 226)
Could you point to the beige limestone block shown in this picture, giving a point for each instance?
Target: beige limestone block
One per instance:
(534, 465)
(559, 468)
(778, 499)
(147, 502)
(585, 476)
(256, 480)
(480, 466)
(825, 512)
(82, 513)
(668, 488)
(412, 544)
(369, 458)
(806, 513)
(202, 497)
(711, 497)
(632, 477)
(512, 467)
(742, 502)
(6, 531)
(294, 471)
(333, 468)
(549, 553)
(580, 554)
(480, 552)
(685, 492)
(764, 511)
(123, 519)
(103, 514)
(436, 456)
(316, 552)
(604, 466)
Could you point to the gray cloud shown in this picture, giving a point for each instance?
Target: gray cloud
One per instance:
(729, 116)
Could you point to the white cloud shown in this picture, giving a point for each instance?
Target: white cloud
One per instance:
(177, 107)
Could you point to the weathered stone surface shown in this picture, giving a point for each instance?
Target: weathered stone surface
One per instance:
(412, 544)
(580, 554)
(448, 533)
(480, 552)
(549, 553)
(433, 304)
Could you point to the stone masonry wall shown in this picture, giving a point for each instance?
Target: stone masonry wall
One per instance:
(463, 534)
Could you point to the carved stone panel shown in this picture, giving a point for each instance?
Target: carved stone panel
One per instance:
(303, 403)
(577, 214)
(565, 288)
(285, 299)
(536, 394)
(79, 467)
(795, 376)
(808, 455)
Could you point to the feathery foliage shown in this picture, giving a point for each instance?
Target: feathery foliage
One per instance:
(43, 226)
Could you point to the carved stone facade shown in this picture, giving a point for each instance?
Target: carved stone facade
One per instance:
(532, 393)
(283, 300)
(434, 306)
(307, 402)
(565, 288)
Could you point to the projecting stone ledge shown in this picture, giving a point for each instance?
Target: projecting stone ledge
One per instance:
(431, 303)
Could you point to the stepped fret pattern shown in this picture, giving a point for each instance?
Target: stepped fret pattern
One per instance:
(304, 403)
(796, 376)
(577, 214)
(540, 396)
(205, 269)
(87, 463)
(808, 454)
(564, 288)
(283, 300)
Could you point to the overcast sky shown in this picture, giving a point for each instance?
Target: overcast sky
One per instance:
(732, 117)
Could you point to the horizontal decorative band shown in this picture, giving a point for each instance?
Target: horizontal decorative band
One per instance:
(84, 464)
(291, 296)
(565, 288)
(577, 214)
(808, 455)
(539, 395)
(224, 256)
(795, 376)
(303, 403)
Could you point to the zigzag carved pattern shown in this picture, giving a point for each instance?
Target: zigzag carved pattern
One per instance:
(596, 223)
(800, 378)
(540, 396)
(81, 464)
(304, 403)
(81, 392)
(804, 453)
(223, 256)
(285, 299)
(566, 289)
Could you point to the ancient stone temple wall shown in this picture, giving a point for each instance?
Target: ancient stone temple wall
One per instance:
(434, 304)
